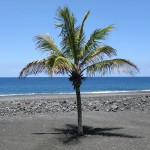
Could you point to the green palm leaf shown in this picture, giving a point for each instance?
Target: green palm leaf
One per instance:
(58, 65)
(111, 66)
(46, 43)
(81, 36)
(93, 42)
(66, 21)
(98, 55)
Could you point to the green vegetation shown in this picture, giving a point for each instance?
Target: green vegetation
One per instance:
(77, 55)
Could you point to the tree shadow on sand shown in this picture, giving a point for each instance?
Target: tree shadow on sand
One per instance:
(69, 135)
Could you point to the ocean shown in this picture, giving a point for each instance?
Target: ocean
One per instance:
(60, 85)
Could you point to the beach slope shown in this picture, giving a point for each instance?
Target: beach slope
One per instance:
(126, 129)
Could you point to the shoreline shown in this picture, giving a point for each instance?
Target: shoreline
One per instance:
(132, 92)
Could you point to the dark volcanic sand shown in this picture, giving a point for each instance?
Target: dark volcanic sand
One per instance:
(109, 124)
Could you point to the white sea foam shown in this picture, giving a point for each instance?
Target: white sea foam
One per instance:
(94, 92)
(17, 94)
(103, 92)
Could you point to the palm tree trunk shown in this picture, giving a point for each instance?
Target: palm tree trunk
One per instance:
(79, 111)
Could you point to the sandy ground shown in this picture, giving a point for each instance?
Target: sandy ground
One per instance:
(103, 131)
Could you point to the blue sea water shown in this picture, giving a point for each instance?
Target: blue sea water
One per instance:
(34, 85)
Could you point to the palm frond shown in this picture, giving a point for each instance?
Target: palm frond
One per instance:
(46, 43)
(98, 55)
(66, 21)
(81, 36)
(93, 42)
(33, 68)
(111, 66)
(58, 65)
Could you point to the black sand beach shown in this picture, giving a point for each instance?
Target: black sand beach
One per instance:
(119, 121)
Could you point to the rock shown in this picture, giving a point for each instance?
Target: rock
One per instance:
(111, 102)
(90, 104)
(126, 104)
(63, 108)
(121, 109)
(108, 108)
(114, 107)
(97, 109)
(107, 102)
(19, 106)
(56, 103)
(91, 108)
(94, 107)
(143, 100)
(65, 101)
(119, 101)
(27, 103)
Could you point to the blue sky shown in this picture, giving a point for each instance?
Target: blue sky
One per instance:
(21, 20)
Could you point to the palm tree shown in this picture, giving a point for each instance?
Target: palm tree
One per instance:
(77, 55)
